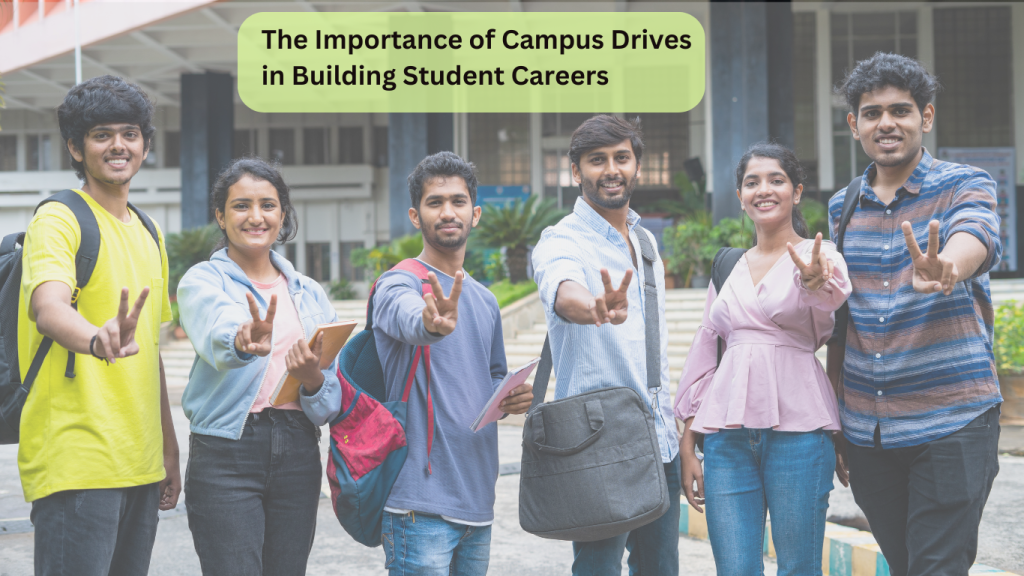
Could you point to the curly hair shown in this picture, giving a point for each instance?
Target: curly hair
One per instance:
(102, 100)
(885, 69)
(441, 165)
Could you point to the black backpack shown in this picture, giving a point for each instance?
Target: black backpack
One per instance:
(13, 391)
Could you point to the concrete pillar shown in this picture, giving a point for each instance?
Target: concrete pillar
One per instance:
(207, 130)
(407, 145)
(739, 79)
(440, 132)
(779, 19)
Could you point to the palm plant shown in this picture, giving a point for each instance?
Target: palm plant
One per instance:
(187, 248)
(515, 227)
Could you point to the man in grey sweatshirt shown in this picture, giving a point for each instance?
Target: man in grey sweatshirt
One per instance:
(438, 517)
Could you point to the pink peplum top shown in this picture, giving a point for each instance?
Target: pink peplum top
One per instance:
(769, 376)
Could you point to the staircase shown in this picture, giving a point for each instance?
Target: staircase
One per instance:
(683, 308)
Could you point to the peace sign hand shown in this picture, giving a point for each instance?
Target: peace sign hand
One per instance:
(116, 338)
(818, 271)
(613, 305)
(255, 336)
(932, 271)
(441, 314)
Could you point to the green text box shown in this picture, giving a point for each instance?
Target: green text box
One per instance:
(471, 62)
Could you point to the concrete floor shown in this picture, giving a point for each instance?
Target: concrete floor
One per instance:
(513, 552)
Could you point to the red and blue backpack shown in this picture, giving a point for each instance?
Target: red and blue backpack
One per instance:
(367, 438)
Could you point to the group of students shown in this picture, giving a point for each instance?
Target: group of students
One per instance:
(911, 423)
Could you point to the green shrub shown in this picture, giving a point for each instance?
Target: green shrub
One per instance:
(816, 215)
(380, 259)
(691, 245)
(507, 292)
(515, 228)
(341, 290)
(187, 248)
(1009, 337)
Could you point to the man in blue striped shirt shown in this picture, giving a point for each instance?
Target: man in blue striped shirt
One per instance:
(919, 398)
(597, 331)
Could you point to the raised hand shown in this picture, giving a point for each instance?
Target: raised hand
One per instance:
(256, 336)
(613, 305)
(441, 314)
(116, 338)
(813, 274)
(932, 271)
(303, 362)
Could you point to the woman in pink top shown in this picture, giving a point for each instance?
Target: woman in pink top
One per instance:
(768, 410)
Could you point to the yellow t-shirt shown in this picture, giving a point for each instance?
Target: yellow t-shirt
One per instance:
(102, 428)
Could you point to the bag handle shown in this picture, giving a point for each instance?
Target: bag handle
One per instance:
(595, 415)
(652, 330)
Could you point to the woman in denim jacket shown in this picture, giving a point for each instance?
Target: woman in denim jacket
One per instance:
(253, 479)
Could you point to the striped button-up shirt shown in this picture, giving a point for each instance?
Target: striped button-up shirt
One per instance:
(918, 366)
(587, 357)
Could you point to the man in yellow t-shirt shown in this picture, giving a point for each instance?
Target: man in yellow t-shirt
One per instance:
(98, 456)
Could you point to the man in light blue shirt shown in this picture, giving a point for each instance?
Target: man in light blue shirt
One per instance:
(597, 331)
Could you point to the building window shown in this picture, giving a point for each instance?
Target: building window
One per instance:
(172, 149)
(499, 145)
(348, 271)
(666, 147)
(561, 124)
(282, 146)
(245, 143)
(318, 261)
(350, 145)
(804, 64)
(8, 153)
(976, 103)
(37, 153)
(857, 37)
(291, 253)
(380, 146)
(316, 146)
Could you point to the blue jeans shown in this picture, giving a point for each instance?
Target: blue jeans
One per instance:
(653, 548)
(428, 545)
(750, 471)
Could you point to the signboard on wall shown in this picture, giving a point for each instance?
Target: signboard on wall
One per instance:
(1000, 164)
(501, 195)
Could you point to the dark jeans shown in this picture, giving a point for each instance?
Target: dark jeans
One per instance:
(252, 502)
(924, 502)
(96, 532)
(653, 548)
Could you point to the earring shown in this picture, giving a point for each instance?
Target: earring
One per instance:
(742, 206)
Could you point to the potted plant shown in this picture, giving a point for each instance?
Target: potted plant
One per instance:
(689, 249)
(516, 227)
(185, 249)
(1009, 352)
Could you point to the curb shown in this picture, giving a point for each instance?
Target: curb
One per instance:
(847, 551)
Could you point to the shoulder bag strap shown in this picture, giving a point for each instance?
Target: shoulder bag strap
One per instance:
(835, 353)
(652, 330)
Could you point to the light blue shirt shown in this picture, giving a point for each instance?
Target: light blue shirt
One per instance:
(587, 357)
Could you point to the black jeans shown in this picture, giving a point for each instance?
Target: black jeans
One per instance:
(96, 532)
(252, 502)
(924, 503)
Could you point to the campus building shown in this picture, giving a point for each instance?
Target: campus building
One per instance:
(770, 72)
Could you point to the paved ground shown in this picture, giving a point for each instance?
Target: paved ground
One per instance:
(513, 552)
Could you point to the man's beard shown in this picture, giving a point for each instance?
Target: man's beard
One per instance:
(592, 191)
(99, 177)
(892, 161)
(432, 237)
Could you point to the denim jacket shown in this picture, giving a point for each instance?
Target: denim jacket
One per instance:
(224, 383)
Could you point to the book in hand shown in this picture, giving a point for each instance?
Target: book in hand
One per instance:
(491, 412)
(335, 336)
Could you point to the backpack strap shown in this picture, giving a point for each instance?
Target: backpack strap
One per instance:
(85, 257)
(721, 267)
(150, 227)
(850, 201)
(417, 269)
